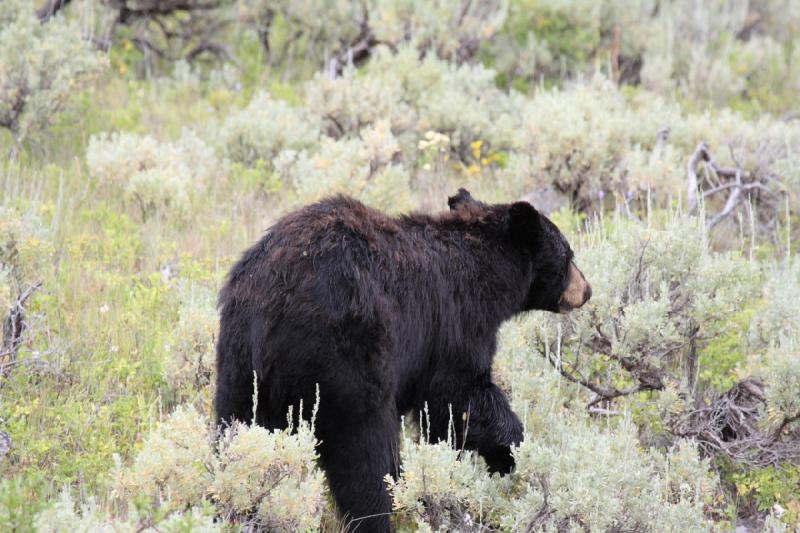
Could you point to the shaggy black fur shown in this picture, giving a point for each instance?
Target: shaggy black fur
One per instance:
(385, 315)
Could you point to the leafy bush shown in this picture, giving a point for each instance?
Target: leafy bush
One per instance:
(783, 389)
(570, 475)
(660, 295)
(351, 102)
(158, 177)
(266, 127)
(717, 53)
(414, 95)
(26, 247)
(441, 488)
(255, 476)
(361, 167)
(563, 38)
(778, 321)
(175, 463)
(720, 53)
(41, 66)
(63, 517)
(336, 33)
(192, 352)
(304, 30)
(452, 29)
(556, 488)
(282, 487)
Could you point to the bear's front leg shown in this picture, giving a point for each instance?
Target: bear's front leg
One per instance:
(482, 419)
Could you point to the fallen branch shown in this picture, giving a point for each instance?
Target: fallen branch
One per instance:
(742, 183)
(730, 204)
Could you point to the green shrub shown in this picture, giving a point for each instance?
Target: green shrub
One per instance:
(159, 178)
(175, 463)
(452, 29)
(264, 128)
(271, 475)
(360, 167)
(777, 322)
(191, 354)
(441, 489)
(63, 517)
(41, 68)
(659, 296)
(576, 475)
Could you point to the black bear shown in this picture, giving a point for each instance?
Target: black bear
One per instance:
(386, 315)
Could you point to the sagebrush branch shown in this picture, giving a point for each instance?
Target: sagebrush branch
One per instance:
(731, 426)
(14, 325)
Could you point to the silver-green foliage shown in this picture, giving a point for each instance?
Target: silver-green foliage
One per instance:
(157, 177)
(571, 474)
(783, 386)
(659, 296)
(41, 67)
(711, 52)
(361, 167)
(451, 29)
(415, 95)
(273, 474)
(265, 477)
(191, 354)
(265, 127)
(64, 516)
(175, 463)
(777, 323)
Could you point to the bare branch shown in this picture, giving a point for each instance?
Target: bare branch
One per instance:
(730, 426)
(14, 325)
(730, 205)
(603, 393)
(50, 8)
(357, 52)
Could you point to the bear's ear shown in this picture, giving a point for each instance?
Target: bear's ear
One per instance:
(524, 221)
(463, 197)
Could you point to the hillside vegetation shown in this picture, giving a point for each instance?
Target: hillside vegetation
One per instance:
(145, 143)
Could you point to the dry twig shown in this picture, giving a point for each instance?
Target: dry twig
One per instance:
(14, 325)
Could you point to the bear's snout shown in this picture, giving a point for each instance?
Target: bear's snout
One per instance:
(578, 290)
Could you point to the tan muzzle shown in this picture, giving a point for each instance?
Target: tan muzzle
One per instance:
(578, 290)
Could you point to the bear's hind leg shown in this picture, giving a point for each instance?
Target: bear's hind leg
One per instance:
(233, 399)
(357, 455)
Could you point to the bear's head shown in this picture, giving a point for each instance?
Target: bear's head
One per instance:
(557, 283)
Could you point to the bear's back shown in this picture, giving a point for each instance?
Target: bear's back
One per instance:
(332, 242)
